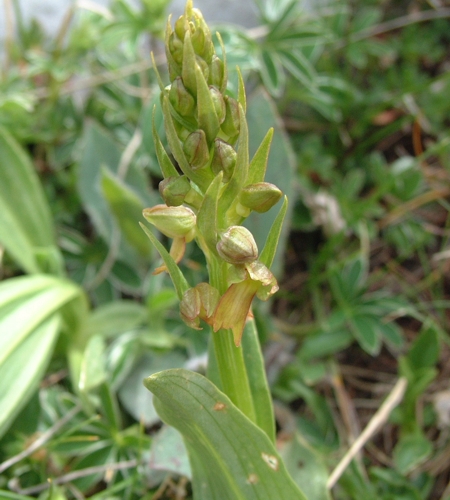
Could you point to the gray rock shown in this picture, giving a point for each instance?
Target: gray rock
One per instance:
(50, 13)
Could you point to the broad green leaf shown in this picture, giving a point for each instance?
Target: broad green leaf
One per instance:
(325, 343)
(272, 73)
(261, 113)
(424, 352)
(22, 371)
(134, 396)
(307, 467)
(257, 378)
(30, 321)
(366, 331)
(127, 208)
(179, 281)
(6, 495)
(231, 458)
(26, 227)
(168, 452)
(299, 66)
(284, 11)
(101, 151)
(114, 318)
(92, 370)
(410, 451)
(392, 334)
(20, 318)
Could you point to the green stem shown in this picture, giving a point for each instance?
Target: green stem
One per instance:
(230, 359)
(233, 373)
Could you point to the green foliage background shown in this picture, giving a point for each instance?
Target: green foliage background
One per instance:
(358, 95)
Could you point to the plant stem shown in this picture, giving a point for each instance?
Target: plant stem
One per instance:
(233, 373)
(230, 359)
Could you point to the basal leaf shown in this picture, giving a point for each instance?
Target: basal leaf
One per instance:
(231, 458)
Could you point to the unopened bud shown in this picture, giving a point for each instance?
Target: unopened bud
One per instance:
(180, 27)
(176, 48)
(231, 124)
(190, 308)
(224, 159)
(198, 303)
(180, 98)
(196, 149)
(260, 197)
(174, 190)
(174, 222)
(201, 38)
(216, 72)
(219, 103)
(237, 246)
(198, 39)
(204, 68)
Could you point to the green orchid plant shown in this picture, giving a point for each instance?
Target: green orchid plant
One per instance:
(207, 199)
(218, 187)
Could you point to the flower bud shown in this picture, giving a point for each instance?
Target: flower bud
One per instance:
(203, 67)
(181, 130)
(196, 149)
(180, 98)
(198, 39)
(219, 103)
(174, 222)
(199, 303)
(174, 190)
(190, 308)
(176, 48)
(224, 159)
(260, 197)
(216, 72)
(201, 37)
(231, 124)
(180, 27)
(237, 246)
